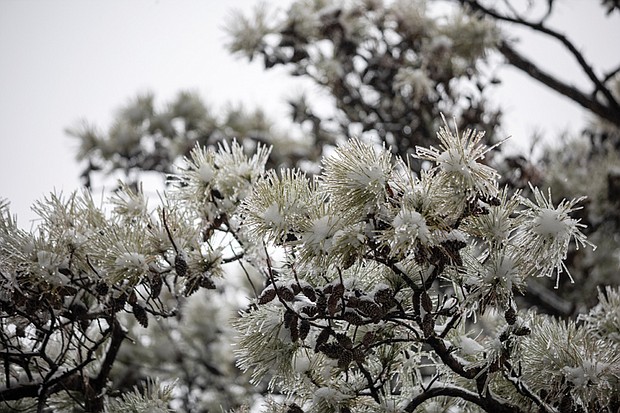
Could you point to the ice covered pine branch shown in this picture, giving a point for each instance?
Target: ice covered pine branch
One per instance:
(395, 292)
(384, 290)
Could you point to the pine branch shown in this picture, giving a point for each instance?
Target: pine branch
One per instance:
(525, 390)
(488, 404)
(611, 74)
(449, 360)
(611, 112)
(520, 62)
(118, 335)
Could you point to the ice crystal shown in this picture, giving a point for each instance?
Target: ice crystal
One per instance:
(546, 232)
(356, 175)
(458, 159)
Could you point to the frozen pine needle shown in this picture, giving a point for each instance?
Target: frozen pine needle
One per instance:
(459, 160)
(547, 231)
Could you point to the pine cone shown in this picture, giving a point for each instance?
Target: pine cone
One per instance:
(510, 315)
(286, 293)
(333, 304)
(205, 281)
(304, 328)
(321, 304)
(268, 295)
(180, 265)
(353, 318)
(309, 310)
(346, 357)
(322, 339)
(156, 284)
(331, 350)
(384, 296)
(140, 314)
(428, 325)
(427, 303)
(309, 293)
(371, 309)
(522, 331)
(101, 288)
(338, 290)
(368, 338)
(293, 408)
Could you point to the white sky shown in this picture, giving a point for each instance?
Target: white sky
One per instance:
(66, 60)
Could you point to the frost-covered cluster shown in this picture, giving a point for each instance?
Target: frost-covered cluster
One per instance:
(376, 289)
(78, 289)
(371, 276)
(390, 66)
(396, 291)
(153, 136)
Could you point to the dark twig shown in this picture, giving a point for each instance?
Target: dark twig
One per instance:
(490, 405)
(607, 112)
(569, 91)
(611, 74)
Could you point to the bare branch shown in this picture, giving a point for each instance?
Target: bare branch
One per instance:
(569, 91)
(572, 49)
(490, 405)
(611, 74)
(118, 335)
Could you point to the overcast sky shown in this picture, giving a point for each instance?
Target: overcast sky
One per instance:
(66, 60)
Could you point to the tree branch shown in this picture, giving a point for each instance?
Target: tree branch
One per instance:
(525, 390)
(569, 91)
(19, 392)
(490, 405)
(118, 335)
(539, 27)
(444, 353)
(611, 73)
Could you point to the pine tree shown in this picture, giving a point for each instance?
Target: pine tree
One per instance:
(385, 268)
